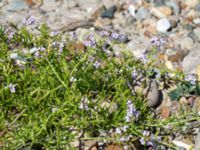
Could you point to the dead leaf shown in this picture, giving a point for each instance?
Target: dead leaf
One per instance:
(114, 147)
(165, 112)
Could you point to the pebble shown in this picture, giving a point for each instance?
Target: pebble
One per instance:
(157, 2)
(165, 10)
(187, 43)
(17, 5)
(197, 33)
(132, 10)
(197, 141)
(174, 5)
(192, 60)
(163, 25)
(196, 21)
(129, 20)
(191, 3)
(109, 13)
(142, 13)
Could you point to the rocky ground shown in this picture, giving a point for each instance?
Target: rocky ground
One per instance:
(176, 22)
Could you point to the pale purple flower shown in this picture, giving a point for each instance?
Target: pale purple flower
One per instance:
(54, 33)
(158, 42)
(134, 73)
(84, 104)
(191, 78)
(104, 33)
(115, 36)
(143, 58)
(11, 35)
(29, 21)
(42, 49)
(125, 138)
(97, 64)
(131, 111)
(90, 41)
(11, 87)
(73, 35)
(73, 79)
(37, 54)
(142, 141)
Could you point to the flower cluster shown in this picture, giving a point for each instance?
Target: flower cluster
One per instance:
(84, 104)
(104, 33)
(131, 111)
(96, 64)
(58, 45)
(10, 33)
(11, 87)
(54, 33)
(119, 130)
(90, 41)
(29, 21)
(191, 78)
(134, 73)
(158, 42)
(148, 139)
(37, 50)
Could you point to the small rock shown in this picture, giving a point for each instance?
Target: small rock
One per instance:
(196, 21)
(197, 33)
(130, 20)
(198, 7)
(191, 3)
(197, 141)
(163, 25)
(191, 61)
(187, 43)
(191, 14)
(196, 104)
(109, 13)
(165, 10)
(157, 2)
(100, 22)
(193, 36)
(142, 13)
(174, 5)
(132, 10)
(89, 144)
(17, 5)
(97, 11)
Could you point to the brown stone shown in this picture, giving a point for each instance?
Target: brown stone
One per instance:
(166, 11)
(165, 112)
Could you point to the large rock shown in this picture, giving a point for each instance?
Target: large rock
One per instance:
(192, 60)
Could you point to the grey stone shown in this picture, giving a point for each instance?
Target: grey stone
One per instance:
(193, 36)
(174, 5)
(187, 43)
(129, 20)
(197, 141)
(17, 5)
(197, 33)
(163, 25)
(109, 13)
(157, 2)
(153, 94)
(142, 13)
(192, 60)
